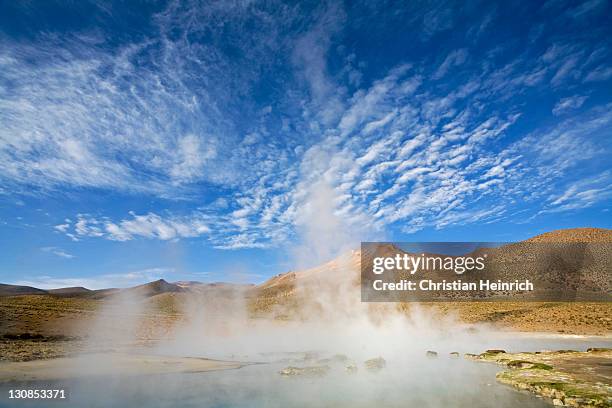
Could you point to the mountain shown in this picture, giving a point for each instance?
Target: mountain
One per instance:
(146, 290)
(15, 290)
(154, 288)
(512, 261)
(187, 284)
(76, 291)
(102, 293)
(198, 286)
(569, 264)
(575, 235)
(547, 257)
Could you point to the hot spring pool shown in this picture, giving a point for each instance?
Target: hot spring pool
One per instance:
(418, 382)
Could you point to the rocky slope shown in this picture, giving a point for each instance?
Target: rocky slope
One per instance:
(566, 378)
(578, 259)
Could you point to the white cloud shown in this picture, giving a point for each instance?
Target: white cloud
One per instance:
(568, 104)
(149, 225)
(581, 194)
(425, 177)
(173, 117)
(131, 118)
(57, 252)
(241, 241)
(564, 70)
(62, 227)
(601, 73)
(586, 8)
(191, 156)
(453, 59)
(366, 104)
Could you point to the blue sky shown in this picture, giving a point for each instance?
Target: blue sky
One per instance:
(236, 140)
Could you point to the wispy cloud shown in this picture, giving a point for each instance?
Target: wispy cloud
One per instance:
(601, 73)
(581, 194)
(148, 226)
(444, 172)
(255, 114)
(57, 252)
(132, 118)
(568, 104)
(453, 59)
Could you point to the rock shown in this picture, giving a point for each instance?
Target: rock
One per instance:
(375, 364)
(471, 356)
(351, 368)
(454, 354)
(597, 349)
(572, 402)
(492, 354)
(312, 371)
(568, 381)
(528, 364)
(431, 354)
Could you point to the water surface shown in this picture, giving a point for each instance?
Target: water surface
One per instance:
(407, 381)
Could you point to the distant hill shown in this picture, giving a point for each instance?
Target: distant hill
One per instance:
(187, 284)
(154, 288)
(150, 289)
(70, 292)
(102, 293)
(76, 291)
(15, 290)
(344, 272)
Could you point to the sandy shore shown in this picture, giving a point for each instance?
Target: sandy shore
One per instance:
(105, 364)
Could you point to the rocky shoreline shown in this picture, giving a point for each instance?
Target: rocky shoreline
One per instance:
(567, 378)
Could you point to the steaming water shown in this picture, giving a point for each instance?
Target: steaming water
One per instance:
(462, 384)
(423, 382)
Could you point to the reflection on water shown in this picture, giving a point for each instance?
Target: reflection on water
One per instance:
(405, 382)
(434, 384)
(431, 383)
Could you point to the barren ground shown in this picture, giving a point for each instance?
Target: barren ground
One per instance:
(43, 326)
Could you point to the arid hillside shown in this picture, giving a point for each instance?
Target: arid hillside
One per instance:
(575, 235)
(286, 296)
(580, 257)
